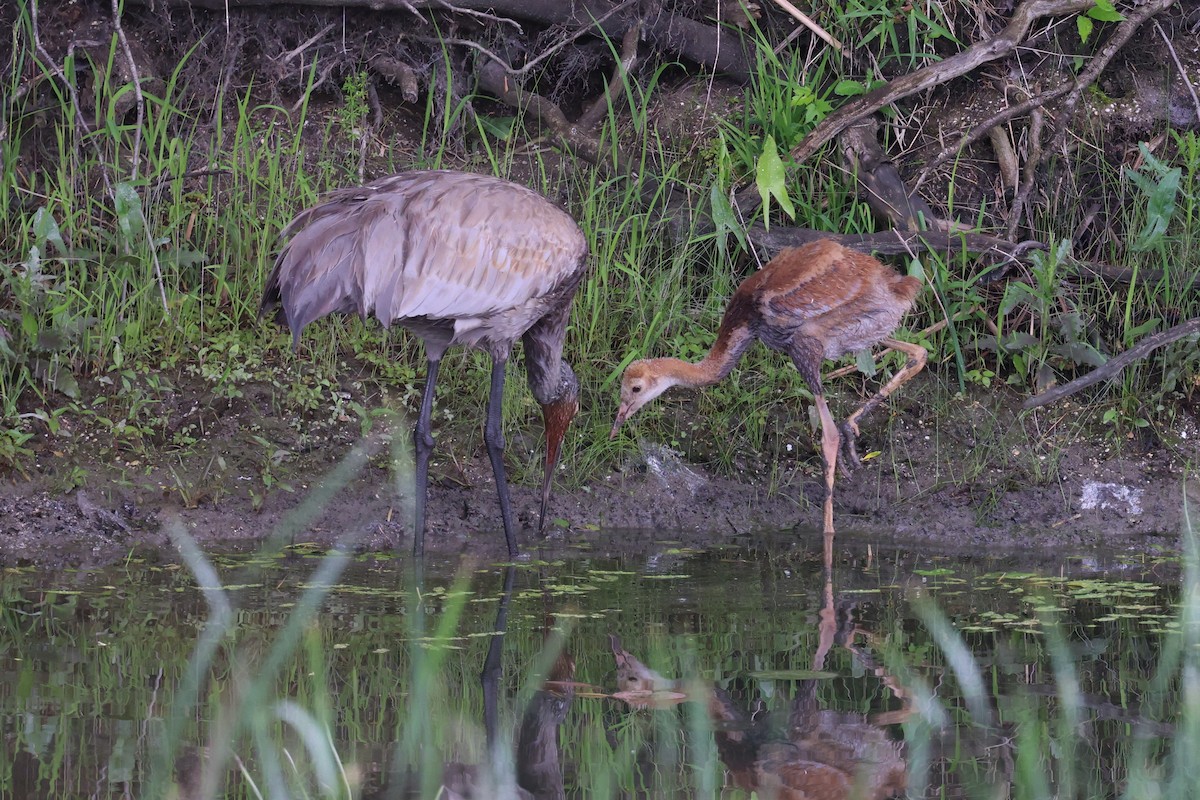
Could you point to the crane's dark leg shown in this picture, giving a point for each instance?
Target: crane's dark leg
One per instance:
(917, 357)
(493, 435)
(423, 447)
(807, 355)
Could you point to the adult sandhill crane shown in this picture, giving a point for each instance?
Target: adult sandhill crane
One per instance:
(812, 302)
(458, 259)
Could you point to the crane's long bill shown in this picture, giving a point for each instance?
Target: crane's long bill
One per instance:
(557, 418)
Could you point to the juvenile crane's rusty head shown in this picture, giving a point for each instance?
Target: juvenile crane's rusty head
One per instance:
(556, 417)
(642, 382)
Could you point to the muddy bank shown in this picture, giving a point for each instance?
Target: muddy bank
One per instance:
(980, 478)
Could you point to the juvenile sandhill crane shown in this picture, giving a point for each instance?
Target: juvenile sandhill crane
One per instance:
(818, 301)
(458, 259)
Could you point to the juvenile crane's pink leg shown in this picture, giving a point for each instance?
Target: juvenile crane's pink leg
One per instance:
(806, 354)
(830, 440)
(917, 356)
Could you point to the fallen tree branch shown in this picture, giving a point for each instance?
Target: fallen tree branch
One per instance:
(620, 75)
(1085, 79)
(1127, 275)
(1114, 365)
(571, 135)
(1004, 43)
(1124, 31)
(893, 242)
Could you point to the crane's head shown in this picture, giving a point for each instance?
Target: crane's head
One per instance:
(556, 416)
(642, 382)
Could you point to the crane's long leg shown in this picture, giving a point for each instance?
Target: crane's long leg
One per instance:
(493, 435)
(917, 357)
(807, 354)
(423, 447)
(830, 439)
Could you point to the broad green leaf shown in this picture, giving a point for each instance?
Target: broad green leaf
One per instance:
(725, 219)
(1080, 353)
(1160, 197)
(1105, 11)
(45, 229)
(769, 176)
(129, 210)
(1019, 340)
(1014, 294)
(916, 269)
(849, 88)
(1085, 27)
(865, 362)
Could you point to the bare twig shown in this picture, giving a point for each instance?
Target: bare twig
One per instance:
(1028, 173)
(808, 22)
(517, 73)
(1191, 87)
(1114, 365)
(139, 99)
(284, 58)
(617, 82)
(470, 12)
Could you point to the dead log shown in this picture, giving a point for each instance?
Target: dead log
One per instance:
(894, 242)
(720, 48)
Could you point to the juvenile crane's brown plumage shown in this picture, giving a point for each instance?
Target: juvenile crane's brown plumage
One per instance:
(814, 302)
(459, 259)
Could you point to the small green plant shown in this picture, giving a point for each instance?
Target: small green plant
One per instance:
(39, 334)
(899, 33)
(353, 112)
(1051, 335)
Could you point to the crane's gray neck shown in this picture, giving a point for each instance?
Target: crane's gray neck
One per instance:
(550, 378)
(547, 384)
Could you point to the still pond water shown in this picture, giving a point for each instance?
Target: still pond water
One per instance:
(743, 669)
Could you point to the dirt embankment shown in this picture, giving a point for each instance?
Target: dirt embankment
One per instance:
(982, 477)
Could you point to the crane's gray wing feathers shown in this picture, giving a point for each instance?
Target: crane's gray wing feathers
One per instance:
(465, 248)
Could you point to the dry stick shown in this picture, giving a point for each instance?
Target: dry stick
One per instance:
(284, 58)
(493, 80)
(470, 12)
(1028, 173)
(808, 22)
(924, 78)
(590, 118)
(1116, 364)
(1179, 66)
(582, 31)
(137, 90)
